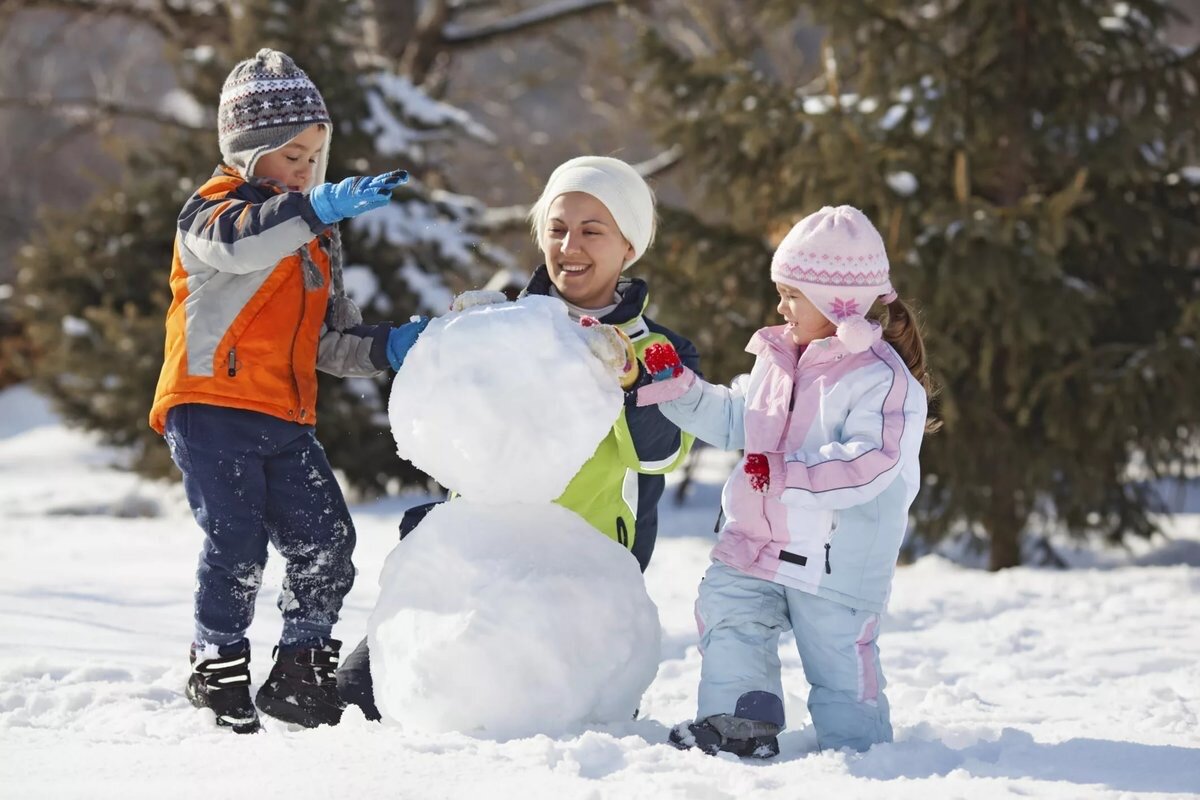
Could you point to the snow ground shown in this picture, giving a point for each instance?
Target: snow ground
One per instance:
(1027, 683)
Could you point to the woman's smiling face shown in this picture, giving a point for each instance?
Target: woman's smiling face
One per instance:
(584, 249)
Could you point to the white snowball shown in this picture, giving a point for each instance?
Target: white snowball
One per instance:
(503, 403)
(507, 621)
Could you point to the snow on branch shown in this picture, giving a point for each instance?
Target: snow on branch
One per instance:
(95, 110)
(403, 116)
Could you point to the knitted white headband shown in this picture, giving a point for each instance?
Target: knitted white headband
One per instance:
(615, 184)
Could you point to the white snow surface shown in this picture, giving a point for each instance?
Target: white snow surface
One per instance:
(507, 621)
(503, 403)
(1027, 683)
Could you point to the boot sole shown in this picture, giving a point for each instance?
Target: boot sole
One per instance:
(293, 714)
(252, 726)
(760, 747)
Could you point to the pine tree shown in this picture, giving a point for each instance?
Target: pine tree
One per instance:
(1032, 167)
(103, 274)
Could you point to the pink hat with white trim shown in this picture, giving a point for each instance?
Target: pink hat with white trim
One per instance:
(836, 258)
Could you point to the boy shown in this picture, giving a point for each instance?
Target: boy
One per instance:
(258, 306)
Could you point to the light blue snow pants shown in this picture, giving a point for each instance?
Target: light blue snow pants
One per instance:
(740, 620)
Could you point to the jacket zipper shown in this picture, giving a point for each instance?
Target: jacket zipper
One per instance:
(828, 544)
(622, 533)
(233, 362)
(295, 336)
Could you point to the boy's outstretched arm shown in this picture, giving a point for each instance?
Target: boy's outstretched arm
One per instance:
(363, 351)
(230, 230)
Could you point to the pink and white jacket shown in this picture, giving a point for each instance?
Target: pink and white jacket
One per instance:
(842, 432)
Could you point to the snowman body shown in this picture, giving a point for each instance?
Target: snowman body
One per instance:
(503, 614)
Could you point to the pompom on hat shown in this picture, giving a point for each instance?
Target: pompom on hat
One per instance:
(614, 183)
(837, 259)
(265, 103)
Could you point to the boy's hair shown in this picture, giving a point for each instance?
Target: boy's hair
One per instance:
(614, 183)
(265, 103)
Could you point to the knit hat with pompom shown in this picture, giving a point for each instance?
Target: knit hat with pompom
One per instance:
(836, 258)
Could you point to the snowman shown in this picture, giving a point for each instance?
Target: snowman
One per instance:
(502, 614)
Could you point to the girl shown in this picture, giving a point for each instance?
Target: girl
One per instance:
(831, 418)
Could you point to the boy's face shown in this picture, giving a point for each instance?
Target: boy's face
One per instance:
(805, 322)
(584, 249)
(294, 163)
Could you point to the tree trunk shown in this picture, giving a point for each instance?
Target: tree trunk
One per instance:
(1004, 525)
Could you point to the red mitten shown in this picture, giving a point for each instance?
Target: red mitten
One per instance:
(758, 469)
(662, 361)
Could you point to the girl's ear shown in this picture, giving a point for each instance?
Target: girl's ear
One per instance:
(629, 252)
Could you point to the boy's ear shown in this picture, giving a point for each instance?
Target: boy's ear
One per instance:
(629, 251)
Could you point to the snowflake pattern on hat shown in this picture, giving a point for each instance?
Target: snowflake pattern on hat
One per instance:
(841, 309)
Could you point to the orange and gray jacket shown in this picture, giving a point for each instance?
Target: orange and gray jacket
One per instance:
(243, 330)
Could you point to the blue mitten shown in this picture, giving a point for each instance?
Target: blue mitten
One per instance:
(401, 340)
(334, 202)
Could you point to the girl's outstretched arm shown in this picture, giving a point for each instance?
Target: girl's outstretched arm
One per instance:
(709, 412)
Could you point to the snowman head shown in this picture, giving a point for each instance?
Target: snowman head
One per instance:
(503, 403)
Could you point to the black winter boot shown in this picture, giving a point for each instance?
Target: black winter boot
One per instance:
(302, 686)
(726, 733)
(222, 683)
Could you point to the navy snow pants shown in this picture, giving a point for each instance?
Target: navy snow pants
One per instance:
(251, 479)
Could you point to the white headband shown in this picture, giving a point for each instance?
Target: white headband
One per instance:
(615, 184)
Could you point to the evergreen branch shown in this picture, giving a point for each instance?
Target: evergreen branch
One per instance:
(95, 110)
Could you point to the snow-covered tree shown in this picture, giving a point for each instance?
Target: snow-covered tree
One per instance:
(1032, 167)
(94, 289)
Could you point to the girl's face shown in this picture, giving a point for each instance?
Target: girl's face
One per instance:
(294, 163)
(584, 249)
(805, 322)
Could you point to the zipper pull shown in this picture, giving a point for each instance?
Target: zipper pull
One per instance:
(233, 362)
(720, 515)
(828, 570)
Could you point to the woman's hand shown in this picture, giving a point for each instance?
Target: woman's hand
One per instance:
(612, 346)
(476, 297)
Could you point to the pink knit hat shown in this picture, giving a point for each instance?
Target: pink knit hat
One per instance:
(836, 258)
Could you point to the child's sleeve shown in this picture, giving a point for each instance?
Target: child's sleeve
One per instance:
(232, 233)
(649, 441)
(712, 413)
(357, 352)
(881, 434)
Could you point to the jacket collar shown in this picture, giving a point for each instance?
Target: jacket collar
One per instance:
(776, 343)
(264, 184)
(634, 293)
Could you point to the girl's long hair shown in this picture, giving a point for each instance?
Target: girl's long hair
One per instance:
(903, 332)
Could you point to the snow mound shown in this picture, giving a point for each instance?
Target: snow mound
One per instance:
(503, 403)
(506, 621)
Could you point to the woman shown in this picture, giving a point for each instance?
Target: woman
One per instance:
(594, 220)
